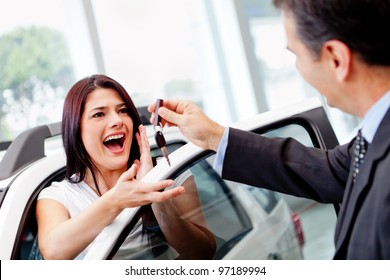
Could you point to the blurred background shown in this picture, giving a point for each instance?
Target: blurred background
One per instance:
(229, 56)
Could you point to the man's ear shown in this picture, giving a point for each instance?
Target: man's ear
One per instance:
(339, 57)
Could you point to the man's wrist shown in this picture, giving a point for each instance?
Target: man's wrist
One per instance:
(216, 137)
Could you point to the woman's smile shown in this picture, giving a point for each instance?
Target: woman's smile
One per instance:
(115, 142)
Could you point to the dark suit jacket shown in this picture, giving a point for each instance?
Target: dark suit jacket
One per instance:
(284, 165)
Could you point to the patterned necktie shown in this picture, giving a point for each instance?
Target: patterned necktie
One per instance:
(360, 150)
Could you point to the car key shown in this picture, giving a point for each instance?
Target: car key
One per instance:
(161, 143)
(159, 136)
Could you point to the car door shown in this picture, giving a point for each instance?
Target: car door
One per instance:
(31, 163)
(218, 219)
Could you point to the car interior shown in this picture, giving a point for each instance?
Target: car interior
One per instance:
(26, 245)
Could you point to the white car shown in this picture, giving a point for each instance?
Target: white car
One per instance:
(246, 222)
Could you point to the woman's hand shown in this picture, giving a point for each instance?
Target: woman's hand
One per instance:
(130, 192)
(145, 163)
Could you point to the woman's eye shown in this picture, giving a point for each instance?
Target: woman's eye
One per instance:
(97, 115)
(123, 111)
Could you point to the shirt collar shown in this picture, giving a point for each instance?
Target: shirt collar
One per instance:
(374, 117)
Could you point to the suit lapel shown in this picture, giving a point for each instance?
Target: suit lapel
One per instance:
(351, 201)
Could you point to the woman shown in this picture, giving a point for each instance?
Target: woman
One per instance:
(107, 155)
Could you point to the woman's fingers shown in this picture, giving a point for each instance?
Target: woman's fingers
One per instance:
(130, 173)
(155, 195)
(145, 162)
(165, 195)
(144, 192)
(142, 140)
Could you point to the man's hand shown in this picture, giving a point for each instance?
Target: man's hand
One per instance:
(192, 122)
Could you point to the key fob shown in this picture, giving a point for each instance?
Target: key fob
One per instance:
(160, 139)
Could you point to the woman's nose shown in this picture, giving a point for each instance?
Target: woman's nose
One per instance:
(116, 120)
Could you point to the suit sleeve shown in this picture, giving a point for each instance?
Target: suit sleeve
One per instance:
(287, 166)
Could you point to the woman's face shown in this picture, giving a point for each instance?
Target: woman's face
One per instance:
(107, 130)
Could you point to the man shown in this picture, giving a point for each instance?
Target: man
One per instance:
(342, 48)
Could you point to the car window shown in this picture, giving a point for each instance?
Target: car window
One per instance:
(266, 198)
(295, 131)
(202, 224)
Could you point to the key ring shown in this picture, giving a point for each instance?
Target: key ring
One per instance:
(160, 127)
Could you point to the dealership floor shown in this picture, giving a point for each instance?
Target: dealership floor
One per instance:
(318, 223)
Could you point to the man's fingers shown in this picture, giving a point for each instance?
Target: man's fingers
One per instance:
(151, 107)
(171, 104)
(171, 112)
(170, 116)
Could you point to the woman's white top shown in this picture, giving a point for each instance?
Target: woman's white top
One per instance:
(76, 197)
